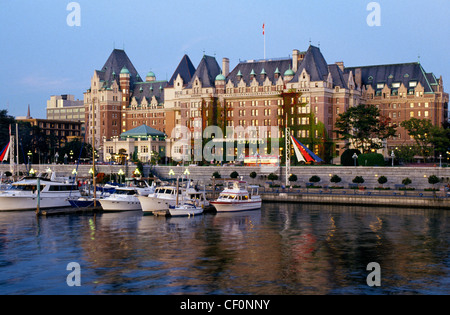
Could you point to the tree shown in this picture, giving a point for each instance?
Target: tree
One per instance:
(364, 127)
(293, 178)
(335, 179)
(433, 179)
(358, 180)
(314, 179)
(216, 174)
(382, 180)
(234, 175)
(406, 181)
(5, 121)
(272, 177)
(421, 131)
(253, 175)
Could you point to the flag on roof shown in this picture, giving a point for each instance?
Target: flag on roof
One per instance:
(303, 153)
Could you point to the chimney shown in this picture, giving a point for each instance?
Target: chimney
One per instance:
(358, 77)
(225, 67)
(340, 64)
(295, 58)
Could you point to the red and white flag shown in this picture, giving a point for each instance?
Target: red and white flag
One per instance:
(264, 28)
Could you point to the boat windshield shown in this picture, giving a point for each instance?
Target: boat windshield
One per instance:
(167, 191)
(125, 192)
(19, 187)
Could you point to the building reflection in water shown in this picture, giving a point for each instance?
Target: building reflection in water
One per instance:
(282, 249)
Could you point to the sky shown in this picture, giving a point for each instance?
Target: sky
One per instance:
(42, 55)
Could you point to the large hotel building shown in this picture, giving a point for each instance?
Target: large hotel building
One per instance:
(120, 100)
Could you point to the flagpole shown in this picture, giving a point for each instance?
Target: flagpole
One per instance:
(264, 35)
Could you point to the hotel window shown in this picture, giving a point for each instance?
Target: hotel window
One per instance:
(411, 114)
(426, 105)
(425, 113)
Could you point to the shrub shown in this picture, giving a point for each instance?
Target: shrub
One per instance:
(358, 180)
(433, 179)
(234, 174)
(382, 180)
(253, 175)
(406, 181)
(347, 157)
(216, 174)
(314, 179)
(293, 178)
(335, 179)
(371, 159)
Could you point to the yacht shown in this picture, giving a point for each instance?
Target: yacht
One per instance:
(166, 196)
(23, 195)
(126, 198)
(237, 196)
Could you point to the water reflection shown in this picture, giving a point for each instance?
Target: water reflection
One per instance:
(282, 249)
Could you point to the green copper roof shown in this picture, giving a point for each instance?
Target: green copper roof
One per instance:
(151, 74)
(289, 72)
(124, 71)
(143, 131)
(220, 77)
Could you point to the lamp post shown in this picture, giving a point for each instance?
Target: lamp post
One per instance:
(120, 176)
(71, 156)
(393, 157)
(56, 158)
(29, 157)
(440, 160)
(355, 156)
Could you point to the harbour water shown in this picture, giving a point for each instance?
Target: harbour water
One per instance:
(283, 249)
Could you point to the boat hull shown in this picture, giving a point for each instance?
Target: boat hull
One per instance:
(120, 205)
(180, 212)
(154, 204)
(20, 203)
(225, 206)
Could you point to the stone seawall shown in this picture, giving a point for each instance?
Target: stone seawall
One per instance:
(395, 175)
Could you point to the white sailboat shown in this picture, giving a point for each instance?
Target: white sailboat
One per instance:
(187, 207)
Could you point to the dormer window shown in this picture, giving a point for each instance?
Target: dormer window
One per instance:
(380, 85)
(412, 83)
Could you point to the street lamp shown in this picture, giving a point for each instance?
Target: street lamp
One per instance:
(393, 157)
(56, 158)
(355, 156)
(29, 156)
(440, 160)
(71, 156)
(120, 173)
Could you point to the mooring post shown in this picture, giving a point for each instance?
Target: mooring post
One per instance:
(38, 208)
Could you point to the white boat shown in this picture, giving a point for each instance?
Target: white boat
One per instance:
(188, 208)
(23, 195)
(126, 198)
(237, 196)
(166, 196)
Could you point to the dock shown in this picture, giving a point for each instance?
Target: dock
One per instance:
(362, 199)
(70, 210)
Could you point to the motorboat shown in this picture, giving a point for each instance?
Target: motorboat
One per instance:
(238, 196)
(188, 208)
(166, 196)
(23, 195)
(126, 198)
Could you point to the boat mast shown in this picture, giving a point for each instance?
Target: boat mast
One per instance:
(93, 153)
(287, 136)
